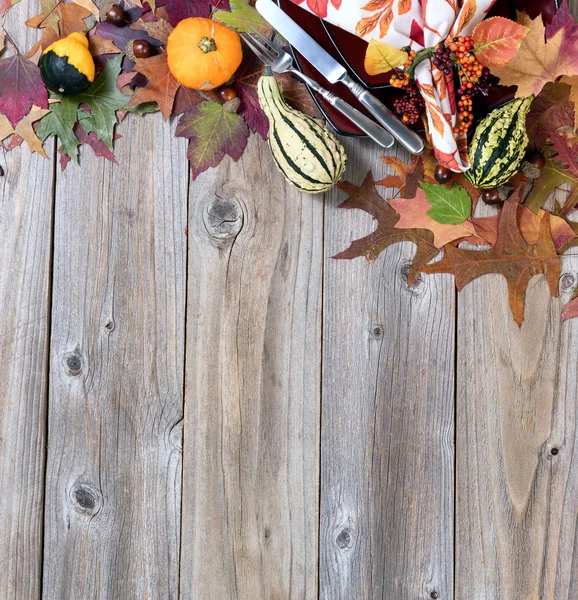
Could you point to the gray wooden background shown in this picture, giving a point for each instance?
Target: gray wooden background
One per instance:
(198, 402)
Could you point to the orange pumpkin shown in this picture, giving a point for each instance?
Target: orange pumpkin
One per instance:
(202, 53)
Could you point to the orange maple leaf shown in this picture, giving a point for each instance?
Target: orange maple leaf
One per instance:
(538, 61)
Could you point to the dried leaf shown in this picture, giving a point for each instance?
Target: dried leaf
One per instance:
(49, 16)
(159, 29)
(366, 198)
(381, 58)
(408, 174)
(246, 80)
(243, 17)
(550, 111)
(72, 17)
(185, 98)
(99, 148)
(571, 309)
(162, 86)
(177, 10)
(567, 150)
(414, 213)
(99, 46)
(497, 40)
(212, 133)
(552, 177)
(21, 87)
(511, 256)
(24, 129)
(538, 62)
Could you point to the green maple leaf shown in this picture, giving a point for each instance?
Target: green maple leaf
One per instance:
(59, 122)
(212, 132)
(243, 17)
(104, 99)
(449, 207)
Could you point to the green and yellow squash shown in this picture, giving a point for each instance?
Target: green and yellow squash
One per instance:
(66, 66)
(497, 149)
(309, 156)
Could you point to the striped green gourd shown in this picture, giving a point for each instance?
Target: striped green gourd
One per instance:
(309, 156)
(499, 144)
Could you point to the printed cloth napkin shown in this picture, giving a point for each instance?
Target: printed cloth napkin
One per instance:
(419, 24)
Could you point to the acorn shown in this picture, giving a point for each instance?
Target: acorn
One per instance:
(491, 197)
(116, 15)
(142, 48)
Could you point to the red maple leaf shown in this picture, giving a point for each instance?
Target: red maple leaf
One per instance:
(21, 87)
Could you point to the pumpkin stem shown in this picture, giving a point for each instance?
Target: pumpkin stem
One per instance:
(207, 44)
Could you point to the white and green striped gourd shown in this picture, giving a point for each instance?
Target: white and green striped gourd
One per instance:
(499, 144)
(309, 156)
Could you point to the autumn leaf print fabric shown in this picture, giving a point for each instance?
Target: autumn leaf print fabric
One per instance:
(419, 24)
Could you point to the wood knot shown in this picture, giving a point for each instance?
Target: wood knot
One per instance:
(85, 498)
(73, 363)
(377, 332)
(267, 532)
(343, 540)
(434, 595)
(223, 220)
(109, 326)
(554, 451)
(567, 281)
(1, 172)
(417, 286)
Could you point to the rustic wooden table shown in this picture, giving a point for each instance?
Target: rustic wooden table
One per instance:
(198, 402)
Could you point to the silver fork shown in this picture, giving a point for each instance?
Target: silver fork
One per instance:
(281, 62)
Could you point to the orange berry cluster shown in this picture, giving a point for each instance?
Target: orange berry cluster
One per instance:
(400, 77)
(465, 115)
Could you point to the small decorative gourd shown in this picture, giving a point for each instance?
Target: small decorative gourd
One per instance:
(309, 156)
(203, 53)
(499, 144)
(66, 66)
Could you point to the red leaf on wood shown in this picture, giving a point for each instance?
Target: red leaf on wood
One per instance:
(511, 256)
(366, 198)
(185, 98)
(551, 110)
(567, 150)
(246, 80)
(571, 309)
(99, 148)
(21, 87)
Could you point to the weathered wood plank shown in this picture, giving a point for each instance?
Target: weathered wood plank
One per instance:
(517, 453)
(26, 202)
(387, 426)
(250, 487)
(117, 371)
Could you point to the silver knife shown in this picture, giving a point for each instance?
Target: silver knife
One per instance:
(334, 72)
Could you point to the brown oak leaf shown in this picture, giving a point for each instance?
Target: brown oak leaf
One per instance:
(162, 86)
(408, 175)
(367, 198)
(511, 256)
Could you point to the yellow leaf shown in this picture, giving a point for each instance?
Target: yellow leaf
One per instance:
(25, 129)
(381, 58)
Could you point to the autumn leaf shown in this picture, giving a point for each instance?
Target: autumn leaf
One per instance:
(573, 83)
(381, 58)
(552, 177)
(538, 62)
(212, 133)
(121, 36)
(21, 87)
(449, 206)
(162, 86)
(5, 5)
(60, 122)
(571, 309)
(407, 175)
(567, 153)
(366, 198)
(49, 16)
(159, 29)
(24, 129)
(511, 256)
(414, 213)
(497, 40)
(177, 10)
(243, 18)
(99, 46)
(550, 111)
(184, 99)
(246, 80)
(72, 17)
(99, 148)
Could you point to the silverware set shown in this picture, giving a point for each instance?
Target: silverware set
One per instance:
(389, 129)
